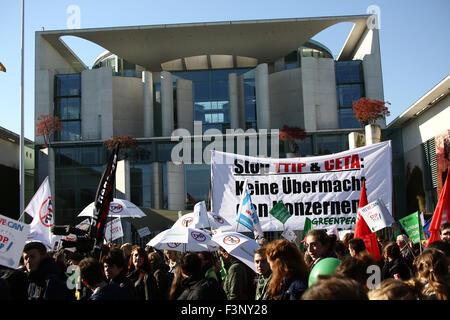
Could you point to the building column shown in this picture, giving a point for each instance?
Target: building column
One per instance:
(157, 185)
(147, 95)
(373, 134)
(185, 105)
(51, 176)
(176, 195)
(356, 140)
(262, 96)
(167, 109)
(234, 102)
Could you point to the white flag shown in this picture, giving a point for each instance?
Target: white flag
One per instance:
(40, 209)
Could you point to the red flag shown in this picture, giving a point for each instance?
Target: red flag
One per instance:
(362, 230)
(441, 213)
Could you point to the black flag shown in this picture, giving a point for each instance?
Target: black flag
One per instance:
(103, 198)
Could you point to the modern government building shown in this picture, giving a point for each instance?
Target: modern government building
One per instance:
(152, 80)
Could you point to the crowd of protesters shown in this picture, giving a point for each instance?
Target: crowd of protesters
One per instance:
(130, 272)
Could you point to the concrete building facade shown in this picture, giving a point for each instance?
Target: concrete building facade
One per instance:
(152, 80)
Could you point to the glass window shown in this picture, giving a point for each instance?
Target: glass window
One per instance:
(331, 144)
(349, 93)
(68, 108)
(196, 181)
(70, 131)
(347, 119)
(67, 85)
(348, 71)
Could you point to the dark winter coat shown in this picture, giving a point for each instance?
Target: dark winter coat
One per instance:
(293, 288)
(46, 282)
(111, 291)
(126, 284)
(397, 269)
(200, 288)
(146, 287)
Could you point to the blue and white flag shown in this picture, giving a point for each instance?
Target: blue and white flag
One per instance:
(246, 215)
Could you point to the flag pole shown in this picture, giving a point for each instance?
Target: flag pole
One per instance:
(21, 152)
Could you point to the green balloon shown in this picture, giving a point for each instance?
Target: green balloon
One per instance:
(325, 266)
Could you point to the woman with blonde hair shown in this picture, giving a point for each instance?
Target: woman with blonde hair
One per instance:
(431, 269)
(289, 270)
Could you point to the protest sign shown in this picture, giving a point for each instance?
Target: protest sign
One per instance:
(412, 226)
(13, 235)
(289, 235)
(280, 212)
(113, 230)
(144, 232)
(325, 189)
(376, 215)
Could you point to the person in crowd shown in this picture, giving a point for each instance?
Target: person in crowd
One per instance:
(139, 272)
(356, 269)
(394, 265)
(406, 249)
(115, 268)
(393, 289)
(92, 276)
(444, 232)
(208, 265)
(347, 237)
(289, 271)
(5, 290)
(196, 285)
(318, 246)
(355, 246)
(264, 273)
(126, 249)
(238, 283)
(335, 287)
(161, 273)
(17, 280)
(172, 259)
(431, 269)
(44, 275)
(341, 250)
(176, 288)
(440, 245)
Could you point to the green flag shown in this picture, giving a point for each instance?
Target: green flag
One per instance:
(412, 226)
(306, 228)
(280, 212)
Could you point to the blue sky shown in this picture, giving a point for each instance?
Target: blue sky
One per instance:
(413, 37)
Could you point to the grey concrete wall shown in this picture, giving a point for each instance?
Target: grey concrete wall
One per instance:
(319, 94)
(241, 103)
(262, 96)
(286, 99)
(368, 50)
(43, 96)
(128, 106)
(46, 57)
(185, 105)
(233, 98)
(176, 195)
(96, 104)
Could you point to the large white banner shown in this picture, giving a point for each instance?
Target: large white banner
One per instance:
(326, 189)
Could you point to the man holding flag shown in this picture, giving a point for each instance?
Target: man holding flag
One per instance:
(247, 215)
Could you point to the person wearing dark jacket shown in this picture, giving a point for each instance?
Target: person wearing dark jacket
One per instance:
(116, 271)
(140, 274)
(394, 265)
(197, 287)
(92, 276)
(160, 271)
(44, 275)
